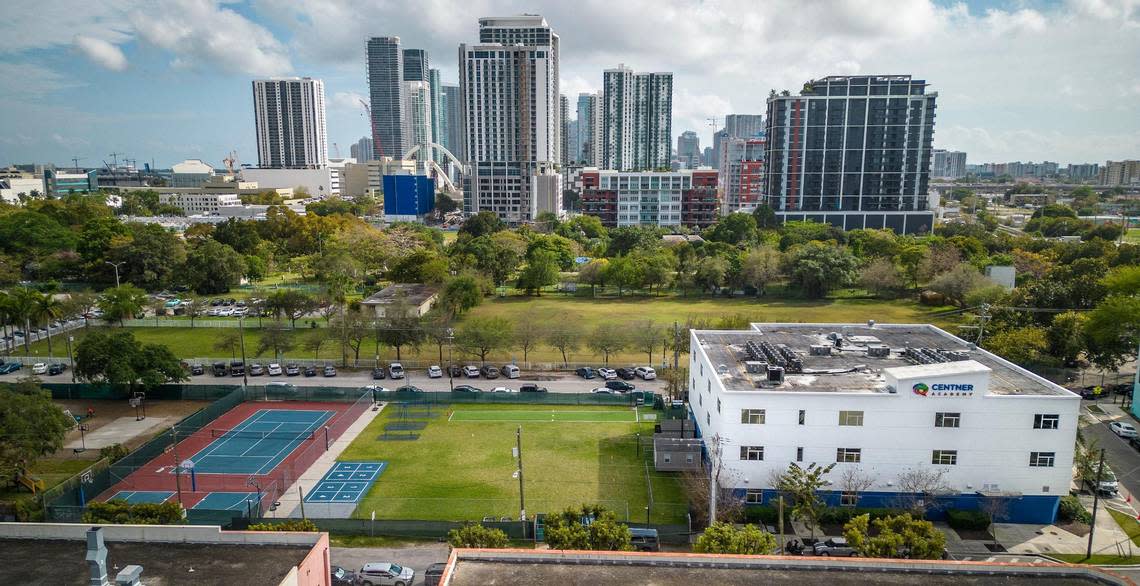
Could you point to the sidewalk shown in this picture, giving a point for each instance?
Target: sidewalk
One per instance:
(291, 501)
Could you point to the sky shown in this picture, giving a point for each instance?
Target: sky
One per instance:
(167, 80)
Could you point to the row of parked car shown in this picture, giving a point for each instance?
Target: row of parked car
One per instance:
(624, 373)
(395, 370)
(37, 368)
(238, 368)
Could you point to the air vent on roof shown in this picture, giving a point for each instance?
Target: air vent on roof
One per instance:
(756, 367)
(775, 374)
(879, 351)
(820, 350)
(722, 368)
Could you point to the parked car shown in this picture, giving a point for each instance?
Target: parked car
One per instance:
(197, 369)
(503, 390)
(510, 371)
(645, 372)
(470, 371)
(607, 373)
(396, 370)
(532, 388)
(58, 368)
(292, 370)
(434, 371)
(409, 389)
(39, 368)
(256, 370)
(1124, 430)
(454, 371)
(385, 574)
(274, 369)
(1108, 485)
(603, 391)
(378, 373)
(1134, 442)
(339, 576)
(619, 385)
(644, 539)
(467, 389)
(219, 369)
(9, 367)
(834, 547)
(489, 371)
(434, 574)
(310, 371)
(330, 371)
(626, 373)
(585, 372)
(237, 368)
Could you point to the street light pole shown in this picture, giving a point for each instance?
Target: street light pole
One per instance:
(522, 499)
(450, 362)
(71, 357)
(244, 367)
(116, 265)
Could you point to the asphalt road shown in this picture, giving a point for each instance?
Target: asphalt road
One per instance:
(1118, 455)
(417, 557)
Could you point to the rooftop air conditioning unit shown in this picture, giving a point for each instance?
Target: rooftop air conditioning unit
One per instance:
(820, 350)
(756, 367)
(879, 351)
(776, 374)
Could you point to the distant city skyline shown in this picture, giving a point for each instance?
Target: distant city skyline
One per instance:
(1020, 81)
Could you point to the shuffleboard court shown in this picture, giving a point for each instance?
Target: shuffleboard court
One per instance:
(556, 416)
(347, 482)
(135, 497)
(228, 501)
(260, 442)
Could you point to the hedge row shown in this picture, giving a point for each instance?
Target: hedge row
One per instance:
(968, 520)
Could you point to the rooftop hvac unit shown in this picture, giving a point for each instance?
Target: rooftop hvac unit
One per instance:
(878, 351)
(776, 374)
(756, 367)
(820, 350)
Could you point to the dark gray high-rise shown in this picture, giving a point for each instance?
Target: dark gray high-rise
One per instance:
(453, 137)
(852, 151)
(386, 96)
(743, 125)
(416, 65)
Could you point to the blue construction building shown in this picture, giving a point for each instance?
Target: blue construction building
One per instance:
(408, 198)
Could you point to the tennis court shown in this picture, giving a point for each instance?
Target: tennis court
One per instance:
(560, 416)
(260, 442)
(136, 497)
(347, 482)
(227, 501)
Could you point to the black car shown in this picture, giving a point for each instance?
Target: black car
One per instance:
(619, 385)
(197, 369)
(58, 368)
(455, 371)
(467, 389)
(256, 370)
(489, 371)
(237, 368)
(626, 373)
(1134, 442)
(378, 373)
(342, 577)
(219, 369)
(409, 389)
(532, 388)
(433, 574)
(292, 370)
(586, 372)
(310, 371)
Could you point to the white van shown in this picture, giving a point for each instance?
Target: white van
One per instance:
(510, 371)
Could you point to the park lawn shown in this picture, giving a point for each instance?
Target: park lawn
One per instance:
(1096, 559)
(1130, 526)
(462, 470)
(199, 342)
(1133, 235)
(49, 469)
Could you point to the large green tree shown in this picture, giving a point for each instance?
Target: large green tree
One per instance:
(117, 358)
(213, 267)
(589, 527)
(899, 536)
(123, 302)
(479, 336)
(818, 268)
(802, 486)
(541, 271)
(31, 426)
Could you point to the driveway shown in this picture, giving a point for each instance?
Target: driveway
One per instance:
(418, 556)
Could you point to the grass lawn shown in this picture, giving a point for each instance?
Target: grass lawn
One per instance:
(462, 470)
(1133, 236)
(52, 471)
(1130, 526)
(1096, 560)
(199, 341)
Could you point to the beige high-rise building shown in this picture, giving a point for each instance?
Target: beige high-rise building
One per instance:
(1115, 173)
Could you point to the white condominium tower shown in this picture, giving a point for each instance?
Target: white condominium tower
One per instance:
(510, 109)
(290, 118)
(637, 119)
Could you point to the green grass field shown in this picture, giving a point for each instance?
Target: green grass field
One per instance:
(552, 415)
(1133, 236)
(463, 469)
(199, 341)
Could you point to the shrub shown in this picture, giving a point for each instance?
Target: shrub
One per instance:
(1071, 509)
(727, 538)
(120, 512)
(475, 535)
(290, 525)
(968, 520)
(114, 452)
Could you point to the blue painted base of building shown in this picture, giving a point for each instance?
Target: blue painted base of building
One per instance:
(1040, 509)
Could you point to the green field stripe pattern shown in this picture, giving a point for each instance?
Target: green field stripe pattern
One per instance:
(558, 416)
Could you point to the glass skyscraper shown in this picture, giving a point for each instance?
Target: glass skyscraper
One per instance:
(853, 151)
(386, 95)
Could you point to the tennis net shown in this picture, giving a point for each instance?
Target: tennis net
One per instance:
(263, 435)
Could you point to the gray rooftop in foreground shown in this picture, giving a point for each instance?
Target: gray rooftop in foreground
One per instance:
(62, 562)
(414, 293)
(850, 369)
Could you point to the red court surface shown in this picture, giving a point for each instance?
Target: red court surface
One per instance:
(158, 474)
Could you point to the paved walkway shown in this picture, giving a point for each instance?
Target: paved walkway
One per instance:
(291, 502)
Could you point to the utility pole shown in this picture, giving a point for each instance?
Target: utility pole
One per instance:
(177, 463)
(676, 343)
(116, 265)
(1096, 501)
(518, 450)
(244, 368)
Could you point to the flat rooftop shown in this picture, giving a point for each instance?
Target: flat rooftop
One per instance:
(59, 562)
(414, 293)
(850, 358)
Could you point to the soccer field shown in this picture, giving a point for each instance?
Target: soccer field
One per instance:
(553, 415)
(461, 467)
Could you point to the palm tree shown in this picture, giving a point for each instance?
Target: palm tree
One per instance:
(22, 305)
(47, 310)
(5, 318)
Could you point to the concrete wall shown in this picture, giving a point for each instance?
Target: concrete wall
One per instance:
(316, 568)
(160, 533)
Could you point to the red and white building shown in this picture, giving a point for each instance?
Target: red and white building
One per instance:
(649, 198)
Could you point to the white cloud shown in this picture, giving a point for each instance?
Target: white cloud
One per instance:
(42, 24)
(1025, 20)
(101, 53)
(201, 34)
(26, 79)
(347, 100)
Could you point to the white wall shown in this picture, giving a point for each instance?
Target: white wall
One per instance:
(317, 181)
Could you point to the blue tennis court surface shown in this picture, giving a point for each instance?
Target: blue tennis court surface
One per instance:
(260, 442)
(347, 482)
(141, 496)
(227, 501)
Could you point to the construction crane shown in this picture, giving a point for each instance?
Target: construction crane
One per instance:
(115, 159)
(336, 150)
(714, 122)
(75, 163)
(229, 161)
(372, 125)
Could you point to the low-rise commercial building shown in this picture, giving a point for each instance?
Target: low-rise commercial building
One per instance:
(651, 198)
(408, 299)
(915, 413)
(200, 203)
(58, 183)
(190, 173)
(408, 198)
